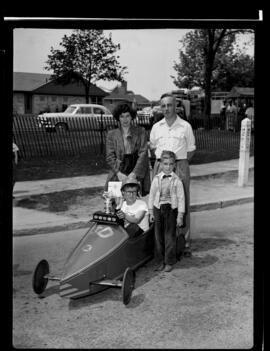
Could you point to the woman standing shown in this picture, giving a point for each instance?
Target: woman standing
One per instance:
(126, 150)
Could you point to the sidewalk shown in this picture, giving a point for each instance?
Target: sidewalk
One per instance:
(205, 194)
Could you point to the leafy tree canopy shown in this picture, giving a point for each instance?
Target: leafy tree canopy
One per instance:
(213, 50)
(86, 56)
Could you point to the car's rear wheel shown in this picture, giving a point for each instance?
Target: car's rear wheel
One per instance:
(128, 285)
(61, 127)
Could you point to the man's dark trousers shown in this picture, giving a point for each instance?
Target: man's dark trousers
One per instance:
(165, 233)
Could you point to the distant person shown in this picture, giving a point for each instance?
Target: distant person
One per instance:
(241, 113)
(222, 114)
(175, 134)
(231, 116)
(249, 113)
(186, 104)
(133, 211)
(166, 208)
(15, 160)
(127, 150)
(181, 111)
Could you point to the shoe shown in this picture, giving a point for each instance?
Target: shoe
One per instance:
(168, 268)
(160, 267)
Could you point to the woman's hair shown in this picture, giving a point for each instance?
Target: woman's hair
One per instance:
(123, 108)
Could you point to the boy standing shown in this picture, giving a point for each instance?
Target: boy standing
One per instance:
(166, 207)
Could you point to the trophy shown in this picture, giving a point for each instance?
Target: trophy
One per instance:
(108, 201)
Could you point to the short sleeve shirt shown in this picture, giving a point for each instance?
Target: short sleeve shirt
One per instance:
(132, 210)
(178, 138)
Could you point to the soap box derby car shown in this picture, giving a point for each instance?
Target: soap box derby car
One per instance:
(105, 257)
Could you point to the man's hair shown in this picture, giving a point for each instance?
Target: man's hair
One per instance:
(167, 95)
(123, 108)
(167, 154)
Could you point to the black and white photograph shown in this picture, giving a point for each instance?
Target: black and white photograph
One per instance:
(133, 184)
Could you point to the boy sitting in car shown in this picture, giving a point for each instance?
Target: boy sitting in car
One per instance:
(133, 211)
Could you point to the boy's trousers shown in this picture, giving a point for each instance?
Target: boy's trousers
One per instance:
(165, 233)
(182, 169)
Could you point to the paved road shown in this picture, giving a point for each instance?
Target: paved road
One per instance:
(205, 302)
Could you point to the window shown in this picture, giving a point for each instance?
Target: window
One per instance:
(80, 110)
(94, 99)
(98, 111)
(87, 110)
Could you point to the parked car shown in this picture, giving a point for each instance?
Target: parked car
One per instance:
(77, 116)
(144, 118)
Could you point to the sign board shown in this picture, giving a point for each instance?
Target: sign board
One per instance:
(245, 135)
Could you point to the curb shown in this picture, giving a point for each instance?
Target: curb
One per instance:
(220, 204)
(100, 188)
(82, 224)
(217, 174)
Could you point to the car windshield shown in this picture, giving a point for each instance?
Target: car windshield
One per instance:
(70, 109)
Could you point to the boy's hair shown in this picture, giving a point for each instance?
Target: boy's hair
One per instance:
(167, 154)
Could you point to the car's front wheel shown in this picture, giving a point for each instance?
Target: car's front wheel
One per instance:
(61, 127)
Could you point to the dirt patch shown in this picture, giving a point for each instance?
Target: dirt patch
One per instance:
(83, 202)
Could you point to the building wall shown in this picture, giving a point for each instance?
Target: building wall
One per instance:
(49, 103)
(18, 103)
(54, 103)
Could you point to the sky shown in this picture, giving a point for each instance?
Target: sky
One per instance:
(149, 55)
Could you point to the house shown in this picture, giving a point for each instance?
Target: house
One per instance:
(35, 93)
(239, 93)
(120, 94)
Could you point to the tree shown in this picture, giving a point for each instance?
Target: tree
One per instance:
(204, 51)
(234, 70)
(87, 56)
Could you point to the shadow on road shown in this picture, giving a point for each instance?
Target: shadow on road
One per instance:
(52, 290)
(17, 272)
(194, 261)
(143, 275)
(205, 244)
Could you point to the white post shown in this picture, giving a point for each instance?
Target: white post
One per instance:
(244, 152)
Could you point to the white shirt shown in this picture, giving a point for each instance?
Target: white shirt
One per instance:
(132, 210)
(15, 147)
(178, 138)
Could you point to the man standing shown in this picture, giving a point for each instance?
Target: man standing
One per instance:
(175, 134)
